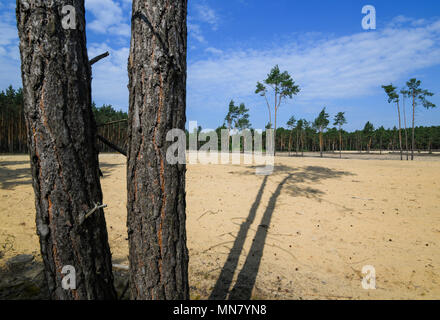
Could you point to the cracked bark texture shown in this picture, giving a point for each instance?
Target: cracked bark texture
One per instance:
(62, 141)
(156, 189)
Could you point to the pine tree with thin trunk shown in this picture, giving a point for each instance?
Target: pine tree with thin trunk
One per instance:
(321, 123)
(404, 95)
(368, 132)
(61, 135)
(418, 96)
(283, 88)
(390, 90)
(156, 188)
(340, 121)
(299, 130)
(291, 125)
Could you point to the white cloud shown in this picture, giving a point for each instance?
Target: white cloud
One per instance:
(202, 15)
(109, 75)
(9, 52)
(345, 67)
(8, 30)
(213, 50)
(109, 17)
(207, 14)
(195, 31)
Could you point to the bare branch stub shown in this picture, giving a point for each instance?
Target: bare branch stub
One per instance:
(97, 58)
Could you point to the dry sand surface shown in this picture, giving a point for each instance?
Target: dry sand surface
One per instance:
(304, 232)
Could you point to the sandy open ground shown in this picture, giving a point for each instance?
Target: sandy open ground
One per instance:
(304, 232)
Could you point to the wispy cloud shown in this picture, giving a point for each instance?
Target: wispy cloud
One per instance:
(9, 52)
(109, 18)
(195, 32)
(206, 14)
(213, 50)
(201, 14)
(336, 68)
(325, 67)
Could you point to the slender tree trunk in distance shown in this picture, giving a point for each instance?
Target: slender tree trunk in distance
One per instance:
(320, 143)
(62, 141)
(290, 141)
(268, 108)
(302, 144)
(229, 134)
(380, 146)
(340, 144)
(400, 133)
(413, 116)
(156, 189)
(275, 132)
(406, 131)
(297, 142)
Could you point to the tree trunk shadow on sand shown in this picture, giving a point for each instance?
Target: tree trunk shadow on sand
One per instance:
(224, 281)
(246, 279)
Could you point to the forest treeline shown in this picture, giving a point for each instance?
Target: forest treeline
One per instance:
(110, 122)
(305, 138)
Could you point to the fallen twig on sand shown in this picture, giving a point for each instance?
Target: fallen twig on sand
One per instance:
(362, 198)
(217, 245)
(206, 212)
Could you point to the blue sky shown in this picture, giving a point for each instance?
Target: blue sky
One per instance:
(232, 44)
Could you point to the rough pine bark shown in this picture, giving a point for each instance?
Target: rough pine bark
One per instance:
(156, 189)
(62, 143)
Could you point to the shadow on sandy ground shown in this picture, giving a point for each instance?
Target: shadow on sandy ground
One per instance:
(11, 177)
(242, 289)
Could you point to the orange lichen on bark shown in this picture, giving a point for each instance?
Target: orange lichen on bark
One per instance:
(162, 170)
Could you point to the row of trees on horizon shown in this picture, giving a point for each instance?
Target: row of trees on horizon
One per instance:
(316, 135)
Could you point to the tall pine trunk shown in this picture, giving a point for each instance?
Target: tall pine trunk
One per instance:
(400, 132)
(275, 132)
(156, 189)
(297, 142)
(302, 144)
(290, 141)
(61, 134)
(340, 144)
(406, 131)
(320, 143)
(413, 129)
